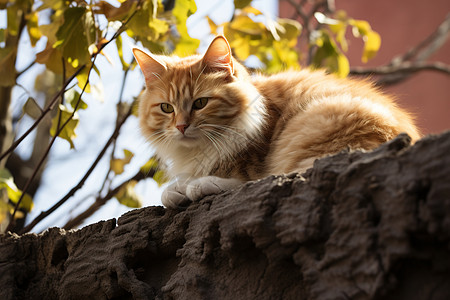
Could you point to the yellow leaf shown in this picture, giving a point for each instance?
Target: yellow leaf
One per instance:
(339, 30)
(119, 45)
(13, 192)
(68, 132)
(212, 25)
(360, 27)
(160, 177)
(185, 45)
(33, 28)
(343, 66)
(246, 25)
(241, 3)
(118, 164)
(251, 10)
(151, 164)
(372, 43)
(127, 195)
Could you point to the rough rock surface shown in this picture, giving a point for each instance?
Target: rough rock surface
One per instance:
(357, 226)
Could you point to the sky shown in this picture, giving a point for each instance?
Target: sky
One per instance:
(66, 167)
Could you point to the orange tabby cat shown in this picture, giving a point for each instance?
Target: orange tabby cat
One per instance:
(216, 126)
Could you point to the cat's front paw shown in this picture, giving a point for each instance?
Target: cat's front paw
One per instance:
(174, 196)
(209, 185)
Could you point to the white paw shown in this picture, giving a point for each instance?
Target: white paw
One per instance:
(210, 185)
(175, 195)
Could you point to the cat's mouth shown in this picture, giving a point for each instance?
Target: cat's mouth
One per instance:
(187, 139)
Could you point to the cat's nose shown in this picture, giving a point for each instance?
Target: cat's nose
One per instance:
(182, 127)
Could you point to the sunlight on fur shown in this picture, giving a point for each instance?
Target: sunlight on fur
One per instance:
(215, 126)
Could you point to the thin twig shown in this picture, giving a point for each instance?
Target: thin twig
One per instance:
(47, 151)
(26, 69)
(80, 184)
(122, 89)
(429, 45)
(59, 129)
(49, 108)
(100, 201)
(56, 97)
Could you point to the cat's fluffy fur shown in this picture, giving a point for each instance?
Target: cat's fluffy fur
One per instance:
(253, 126)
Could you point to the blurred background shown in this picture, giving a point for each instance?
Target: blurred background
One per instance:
(94, 171)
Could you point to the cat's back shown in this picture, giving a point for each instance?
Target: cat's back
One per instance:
(295, 92)
(312, 114)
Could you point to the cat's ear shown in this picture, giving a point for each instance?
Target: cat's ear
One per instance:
(218, 56)
(150, 66)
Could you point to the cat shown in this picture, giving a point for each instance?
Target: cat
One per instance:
(216, 126)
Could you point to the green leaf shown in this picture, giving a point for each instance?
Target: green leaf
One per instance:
(68, 132)
(14, 194)
(329, 55)
(117, 165)
(75, 35)
(241, 3)
(128, 196)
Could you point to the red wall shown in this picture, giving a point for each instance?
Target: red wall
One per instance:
(402, 24)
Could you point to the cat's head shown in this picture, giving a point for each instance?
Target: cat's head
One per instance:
(197, 101)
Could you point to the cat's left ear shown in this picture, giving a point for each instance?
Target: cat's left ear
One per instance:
(218, 56)
(150, 65)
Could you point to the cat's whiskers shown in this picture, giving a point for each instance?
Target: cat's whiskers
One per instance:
(212, 140)
(230, 131)
(222, 144)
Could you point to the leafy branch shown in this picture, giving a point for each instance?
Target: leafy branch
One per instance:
(80, 184)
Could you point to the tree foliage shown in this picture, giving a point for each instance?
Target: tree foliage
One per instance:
(75, 34)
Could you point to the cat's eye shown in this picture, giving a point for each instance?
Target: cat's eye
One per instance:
(167, 108)
(199, 103)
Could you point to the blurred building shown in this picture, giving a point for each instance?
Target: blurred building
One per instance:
(403, 24)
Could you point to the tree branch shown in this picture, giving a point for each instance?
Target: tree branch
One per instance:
(100, 201)
(402, 67)
(406, 67)
(44, 113)
(80, 184)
